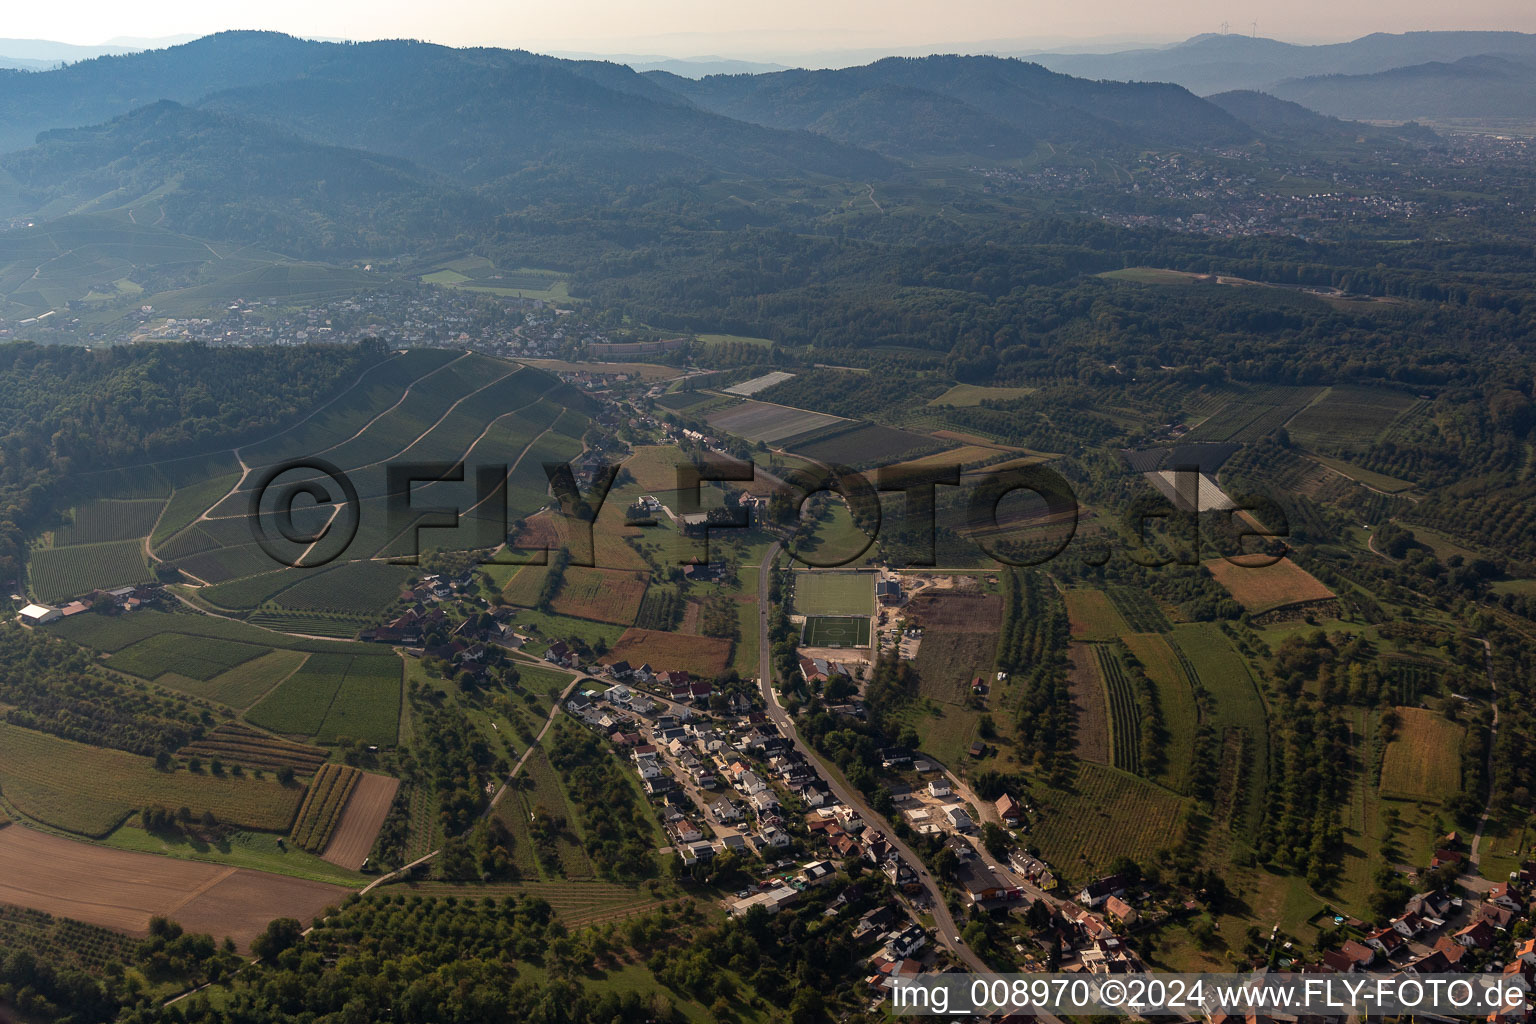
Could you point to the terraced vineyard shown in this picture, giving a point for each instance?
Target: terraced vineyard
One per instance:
(240, 744)
(109, 520)
(59, 573)
(425, 405)
(323, 805)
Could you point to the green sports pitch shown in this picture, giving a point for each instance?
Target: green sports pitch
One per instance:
(837, 631)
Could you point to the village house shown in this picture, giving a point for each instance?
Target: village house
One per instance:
(1505, 895)
(979, 883)
(1477, 936)
(875, 921)
(960, 820)
(1121, 911)
(817, 872)
(1096, 893)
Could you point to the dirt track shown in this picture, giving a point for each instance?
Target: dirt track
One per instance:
(122, 890)
(361, 819)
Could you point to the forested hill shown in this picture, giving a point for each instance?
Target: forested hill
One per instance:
(477, 115)
(1486, 85)
(975, 104)
(65, 409)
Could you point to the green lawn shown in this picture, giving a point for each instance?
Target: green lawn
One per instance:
(975, 394)
(834, 593)
(256, 850)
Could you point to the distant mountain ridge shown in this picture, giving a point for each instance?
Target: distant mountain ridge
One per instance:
(485, 116)
(321, 149)
(1484, 86)
(1220, 63)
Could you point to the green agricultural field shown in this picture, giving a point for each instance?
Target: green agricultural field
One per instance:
(300, 703)
(691, 401)
(1175, 697)
(90, 790)
(478, 274)
(1237, 713)
(286, 284)
(545, 682)
(1378, 481)
(1139, 609)
(1093, 615)
(367, 706)
(1423, 762)
(837, 631)
(834, 593)
(57, 574)
(429, 406)
(323, 803)
(110, 633)
(349, 588)
(1345, 418)
(1106, 814)
(975, 394)
(324, 624)
(862, 444)
(559, 849)
(1253, 414)
(199, 658)
(258, 851)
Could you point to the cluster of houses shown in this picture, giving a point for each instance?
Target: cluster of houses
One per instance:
(705, 774)
(898, 937)
(420, 617)
(120, 599)
(1438, 933)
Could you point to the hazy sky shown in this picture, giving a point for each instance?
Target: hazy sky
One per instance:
(753, 28)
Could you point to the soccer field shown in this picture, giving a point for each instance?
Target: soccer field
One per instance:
(834, 593)
(837, 631)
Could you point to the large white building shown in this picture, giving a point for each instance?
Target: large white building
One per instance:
(38, 614)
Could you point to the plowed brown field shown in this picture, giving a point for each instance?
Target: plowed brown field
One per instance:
(122, 890)
(361, 820)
